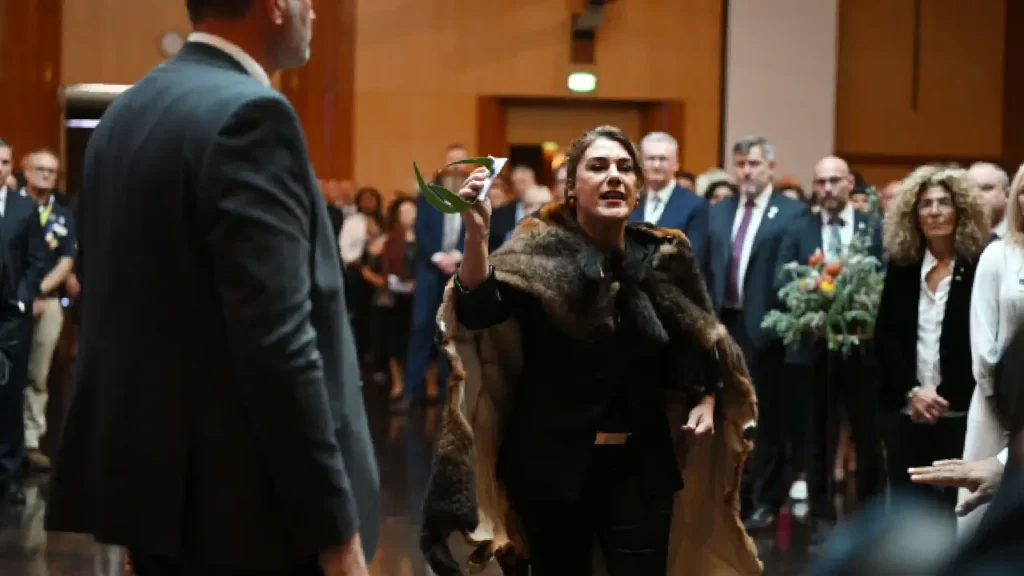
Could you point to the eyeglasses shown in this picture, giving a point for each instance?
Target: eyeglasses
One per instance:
(45, 170)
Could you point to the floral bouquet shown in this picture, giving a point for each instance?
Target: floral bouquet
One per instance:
(836, 301)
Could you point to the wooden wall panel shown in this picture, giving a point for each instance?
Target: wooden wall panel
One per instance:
(420, 67)
(491, 126)
(942, 98)
(322, 90)
(1013, 87)
(116, 41)
(30, 64)
(669, 117)
(563, 123)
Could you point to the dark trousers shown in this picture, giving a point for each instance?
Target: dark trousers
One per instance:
(798, 391)
(763, 481)
(423, 337)
(910, 445)
(848, 383)
(12, 402)
(150, 565)
(630, 524)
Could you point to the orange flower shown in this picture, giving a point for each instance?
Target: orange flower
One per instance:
(816, 258)
(833, 268)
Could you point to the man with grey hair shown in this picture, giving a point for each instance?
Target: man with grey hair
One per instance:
(994, 184)
(665, 203)
(741, 268)
(222, 431)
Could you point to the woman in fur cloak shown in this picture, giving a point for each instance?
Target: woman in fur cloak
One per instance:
(590, 382)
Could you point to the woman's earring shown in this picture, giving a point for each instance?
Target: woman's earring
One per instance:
(637, 203)
(571, 200)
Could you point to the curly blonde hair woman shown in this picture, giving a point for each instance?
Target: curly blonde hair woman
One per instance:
(996, 313)
(904, 240)
(935, 231)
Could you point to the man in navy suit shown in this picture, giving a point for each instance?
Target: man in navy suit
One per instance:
(816, 389)
(665, 203)
(438, 254)
(744, 238)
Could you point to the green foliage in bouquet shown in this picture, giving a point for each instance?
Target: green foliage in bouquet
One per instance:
(444, 199)
(874, 202)
(836, 301)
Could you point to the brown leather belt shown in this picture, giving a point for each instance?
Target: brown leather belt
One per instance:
(611, 438)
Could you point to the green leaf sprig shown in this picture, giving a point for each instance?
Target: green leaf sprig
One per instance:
(444, 199)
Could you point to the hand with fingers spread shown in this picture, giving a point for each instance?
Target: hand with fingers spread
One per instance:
(927, 406)
(980, 477)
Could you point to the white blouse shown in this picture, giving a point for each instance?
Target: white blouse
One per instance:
(997, 308)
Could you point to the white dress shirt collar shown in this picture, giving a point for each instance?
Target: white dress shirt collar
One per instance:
(760, 201)
(231, 49)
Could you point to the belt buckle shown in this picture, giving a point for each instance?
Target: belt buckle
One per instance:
(611, 438)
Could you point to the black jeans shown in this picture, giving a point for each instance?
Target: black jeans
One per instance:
(630, 523)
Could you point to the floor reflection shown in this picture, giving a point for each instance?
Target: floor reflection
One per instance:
(403, 444)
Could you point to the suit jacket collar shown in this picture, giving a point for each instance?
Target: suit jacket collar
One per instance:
(247, 62)
(210, 56)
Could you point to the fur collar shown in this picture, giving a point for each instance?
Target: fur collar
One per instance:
(586, 289)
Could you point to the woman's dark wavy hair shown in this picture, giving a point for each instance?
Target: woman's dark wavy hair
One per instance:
(903, 238)
(377, 214)
(393, 261)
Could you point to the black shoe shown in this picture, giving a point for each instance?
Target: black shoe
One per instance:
(762, 519)
(12, 495)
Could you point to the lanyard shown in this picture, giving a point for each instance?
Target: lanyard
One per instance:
(44, 213)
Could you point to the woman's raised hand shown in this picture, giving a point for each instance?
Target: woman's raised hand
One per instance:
(477, 219)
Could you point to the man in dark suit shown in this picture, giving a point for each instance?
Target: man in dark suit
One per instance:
(665, 202)
(746, 233)
(438, 254)
(25, 251)
(816, 388)
(528, 198)
(216, 423)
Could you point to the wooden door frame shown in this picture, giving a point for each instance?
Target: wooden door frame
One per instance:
(492, 117)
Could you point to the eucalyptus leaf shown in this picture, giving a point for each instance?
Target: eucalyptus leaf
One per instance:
(449, 202)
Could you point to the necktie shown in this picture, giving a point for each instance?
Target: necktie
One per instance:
(655, 208)
(732, 289)
(991, 237)
(835, 240)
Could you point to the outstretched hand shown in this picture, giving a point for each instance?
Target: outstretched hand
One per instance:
(702, 418)
(980, 477)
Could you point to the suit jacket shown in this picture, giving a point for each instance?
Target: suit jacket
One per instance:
(802, 241)
(429, 278)
(503, 222)
(759, 293)
(896, 336)
(686, 212)
(216, 411)
(13, 315)
(26, 247)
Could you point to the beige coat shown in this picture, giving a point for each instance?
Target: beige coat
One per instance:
(468, 523)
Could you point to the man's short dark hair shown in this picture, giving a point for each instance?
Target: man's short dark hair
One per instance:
(199, 10)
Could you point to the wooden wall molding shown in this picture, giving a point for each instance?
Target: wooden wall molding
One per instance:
(322, 91)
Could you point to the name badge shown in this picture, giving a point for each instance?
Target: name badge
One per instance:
(59, 229)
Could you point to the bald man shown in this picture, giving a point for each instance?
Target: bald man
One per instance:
(994, 184)
(822, 379)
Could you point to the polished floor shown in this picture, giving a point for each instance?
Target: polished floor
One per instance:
(403, 444)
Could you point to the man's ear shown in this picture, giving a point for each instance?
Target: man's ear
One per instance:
(276, 10)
